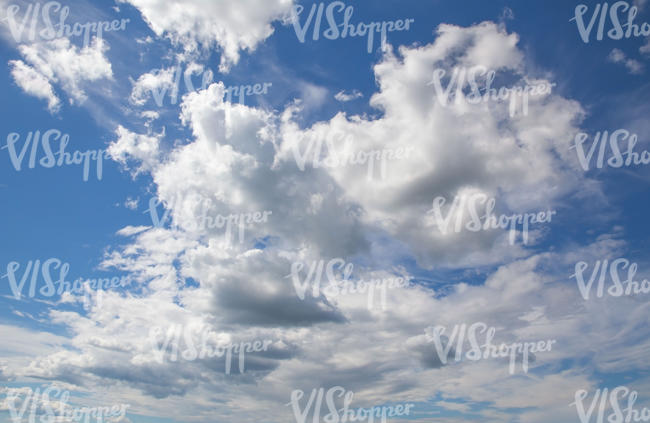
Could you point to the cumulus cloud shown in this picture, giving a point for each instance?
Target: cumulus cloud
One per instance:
(156, 83)
(164, 85)
(58, 62)
(132, 146)
(232, 25)
(243, 159)
(456, 148)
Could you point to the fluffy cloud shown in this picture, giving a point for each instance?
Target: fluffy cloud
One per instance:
(242, 159)
(59, 62)
(156, 83)
(131, 146)
(459, 148)
(164, 85)
(114, 344)
(232, 25)
(34, 83)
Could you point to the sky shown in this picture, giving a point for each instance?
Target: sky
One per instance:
(215, 164)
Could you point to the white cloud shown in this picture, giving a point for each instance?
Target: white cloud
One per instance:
(312, 96)
(242, 159)
(157, 83)
(131, 203)
(132, 230)
(344, 97)
(458, 148)
(58, 62)
(633, 66)
(454, 406)
(34, 83)
(150, 115)
(129, 145)
(366, 354)
(232, 25)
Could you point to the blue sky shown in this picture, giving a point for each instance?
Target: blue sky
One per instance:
(241, 158)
